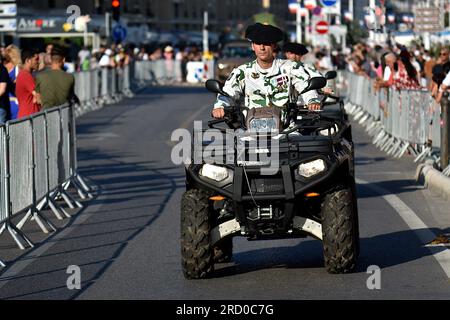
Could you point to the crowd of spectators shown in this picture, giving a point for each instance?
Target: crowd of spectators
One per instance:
(401, 67)
(31, 81)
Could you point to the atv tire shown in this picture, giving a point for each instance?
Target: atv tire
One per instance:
(223, 251)
(196, 251)
(340, 230)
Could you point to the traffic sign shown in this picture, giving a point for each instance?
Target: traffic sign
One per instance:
(328, 3)
(119, 33)
(427, 20)
(322, 27)
(317, 11)
(310, 4)
(8, 25)
(8, 10)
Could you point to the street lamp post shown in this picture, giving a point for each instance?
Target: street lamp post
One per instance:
(372, 6)
(205, 32)
(350, 9)
(299, 22)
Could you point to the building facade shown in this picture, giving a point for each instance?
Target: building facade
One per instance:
(170, 14)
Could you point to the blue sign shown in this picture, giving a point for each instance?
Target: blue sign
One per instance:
(328, 3)
(119, 33)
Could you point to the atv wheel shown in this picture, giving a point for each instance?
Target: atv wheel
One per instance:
(355, 216)
(196, 251)
(339, 228)
(223, 251)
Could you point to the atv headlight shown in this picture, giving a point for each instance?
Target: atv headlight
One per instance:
(312, 168)
(222, 66)
(214, 172)
(263, 125)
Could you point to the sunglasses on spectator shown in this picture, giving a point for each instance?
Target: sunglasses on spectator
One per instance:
(444, 53)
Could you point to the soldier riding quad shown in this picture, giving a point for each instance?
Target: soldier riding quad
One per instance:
(310, 193)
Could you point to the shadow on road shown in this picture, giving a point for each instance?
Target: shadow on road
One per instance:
(132, 196)
(364, 161)
(384, 251)
(388, 187)
(173, 90)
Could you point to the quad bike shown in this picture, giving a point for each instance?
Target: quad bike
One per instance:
(311, 192)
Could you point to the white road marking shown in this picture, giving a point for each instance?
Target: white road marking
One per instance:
(189, 121)
(424, 233)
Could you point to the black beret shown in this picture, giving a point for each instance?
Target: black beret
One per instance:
(296, 48)
(263, 33)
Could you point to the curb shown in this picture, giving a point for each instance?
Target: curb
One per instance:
(433, 179)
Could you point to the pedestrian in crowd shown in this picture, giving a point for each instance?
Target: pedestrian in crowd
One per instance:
(429, 64)
(388, 73)
(44, 58)
(143, 55)
(121, 58)
(95, 59)
(107, 60)
(194, 54)
(440, 70)
(169, 63)
(84, 59)
(25, 84)
(55, 86)
(12, 62)
(155, 55)
(406, 77)
(4, 96)
(181, 59)
(49, 48)
(381, 66)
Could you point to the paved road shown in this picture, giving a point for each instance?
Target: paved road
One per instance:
(127, 241)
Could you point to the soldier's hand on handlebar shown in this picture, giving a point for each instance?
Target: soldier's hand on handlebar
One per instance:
(314, 107)
(327, 90)
(218, 113)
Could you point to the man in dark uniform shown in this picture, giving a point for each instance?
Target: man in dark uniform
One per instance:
(295, 51)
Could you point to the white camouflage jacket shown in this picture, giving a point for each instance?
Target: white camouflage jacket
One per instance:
(268, 87)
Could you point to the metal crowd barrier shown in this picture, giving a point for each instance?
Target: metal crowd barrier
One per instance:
(39, 155)
(158, 72)
(38, 163)
(398, 121)
(96, 88)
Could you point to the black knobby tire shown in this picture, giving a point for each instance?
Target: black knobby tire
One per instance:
(223, 251)
(340, 246)
(355, 215)
(196, 251)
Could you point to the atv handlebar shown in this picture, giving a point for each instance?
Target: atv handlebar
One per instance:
(328, 95)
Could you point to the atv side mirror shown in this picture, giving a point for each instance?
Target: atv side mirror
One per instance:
(215, 86)
(330, 75)
(315, 83)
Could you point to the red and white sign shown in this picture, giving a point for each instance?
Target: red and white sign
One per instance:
(322, 27)
(310, 4)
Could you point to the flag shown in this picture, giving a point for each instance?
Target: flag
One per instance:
(348, 16)
(391, 18)
(310, 4)
(293, 5)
